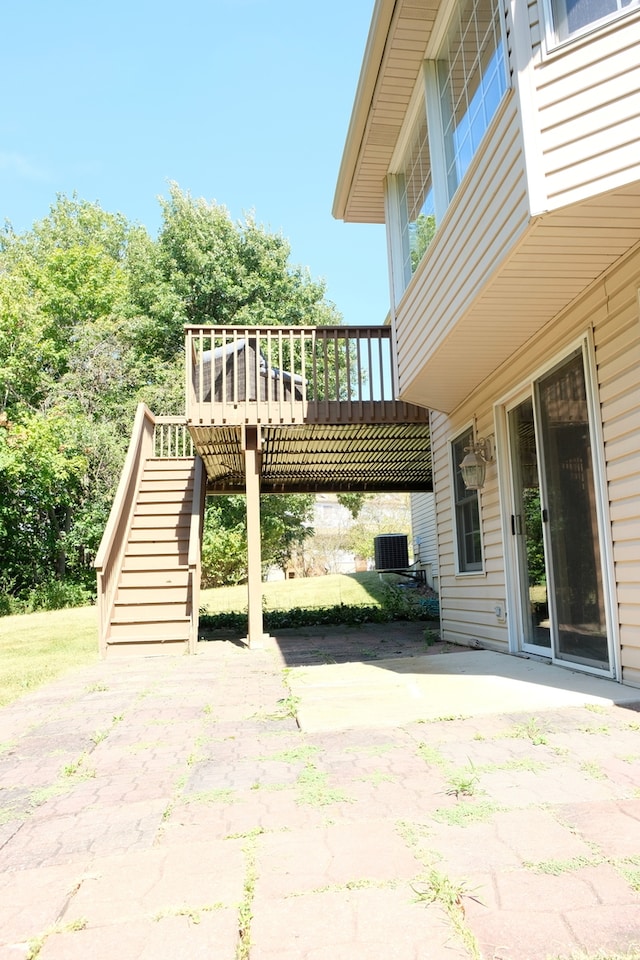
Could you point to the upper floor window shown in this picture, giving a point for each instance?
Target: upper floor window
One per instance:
(463, 85)
(571, 17)
(472, 79)
(415, 197)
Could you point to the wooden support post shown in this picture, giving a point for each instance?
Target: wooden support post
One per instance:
(252, 454)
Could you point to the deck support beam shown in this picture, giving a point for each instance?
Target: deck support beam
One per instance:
(252, 456)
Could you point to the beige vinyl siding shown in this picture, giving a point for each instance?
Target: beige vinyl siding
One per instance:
(610, 308)
(424, 532)
(482, 226)
(588, 97)
(536, 27)
(467, 600)
(617, 341)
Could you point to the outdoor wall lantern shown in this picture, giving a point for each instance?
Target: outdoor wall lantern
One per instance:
(474, 465)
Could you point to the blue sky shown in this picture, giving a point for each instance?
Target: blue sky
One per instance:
(245, 102)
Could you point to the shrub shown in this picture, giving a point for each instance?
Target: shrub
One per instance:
(56, 595)
(339, 615)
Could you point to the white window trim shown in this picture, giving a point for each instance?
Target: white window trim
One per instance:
(436, 141)
(393, 220)
(553, 45)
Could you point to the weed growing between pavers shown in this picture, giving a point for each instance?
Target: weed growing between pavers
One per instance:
(313, 789)
(529, 730)
(74, 772)
(557, 868)
(363, 883)
(78, 769)
(595, 707)
(270, 787)
(302, 754)
(220, 795)
(466, 812)
(463, 782)
(413, 833)
(593, 769)
(602, 730)
(311, 783)
(627, 867)
(446, 718)
(439, 888)
(37, 943)
(245, 907)
(193, 913)
(376, 777)
(431, 755)
(519, 764)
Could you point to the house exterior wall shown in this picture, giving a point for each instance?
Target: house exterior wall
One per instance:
(588, 104)
(609, 312)
(538, 252)
(425, 535)
(480, 228)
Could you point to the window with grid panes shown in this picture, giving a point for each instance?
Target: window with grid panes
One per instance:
(415, 197)
(472, 80)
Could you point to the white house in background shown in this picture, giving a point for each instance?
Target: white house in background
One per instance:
(499, 140)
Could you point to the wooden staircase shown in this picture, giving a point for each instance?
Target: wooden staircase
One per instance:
(153, 603)
(148, 563)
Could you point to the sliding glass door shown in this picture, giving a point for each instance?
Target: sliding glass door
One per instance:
(554, 521)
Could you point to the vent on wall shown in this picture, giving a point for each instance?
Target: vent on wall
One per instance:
(391, 551)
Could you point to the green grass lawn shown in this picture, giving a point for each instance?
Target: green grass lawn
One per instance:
(354, 589)
(37, 647)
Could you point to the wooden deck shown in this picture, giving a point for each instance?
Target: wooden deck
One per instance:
(319, 403)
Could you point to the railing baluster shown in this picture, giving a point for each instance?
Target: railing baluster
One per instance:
(324, 369)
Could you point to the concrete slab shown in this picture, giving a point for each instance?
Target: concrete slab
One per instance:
(405, 689)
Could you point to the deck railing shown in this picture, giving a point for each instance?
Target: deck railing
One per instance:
(172, 438)
(287, 374)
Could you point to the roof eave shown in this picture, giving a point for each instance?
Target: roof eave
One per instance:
(374, 50)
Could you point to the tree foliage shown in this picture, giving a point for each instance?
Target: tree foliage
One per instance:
(92, 310)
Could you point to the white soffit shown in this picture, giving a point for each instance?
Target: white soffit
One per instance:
(398, 37)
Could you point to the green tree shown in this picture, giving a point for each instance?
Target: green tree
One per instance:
(91, 321)
(207, 269)
(65, 390)
(422, 233)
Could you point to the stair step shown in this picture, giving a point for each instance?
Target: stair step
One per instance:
(177, 629)
(169, 577)
(168, 471)
(148, 594)
(146, 555)
(162, 535)
(152, 610)
(145, 647)
(162, 500)
(163, 521)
